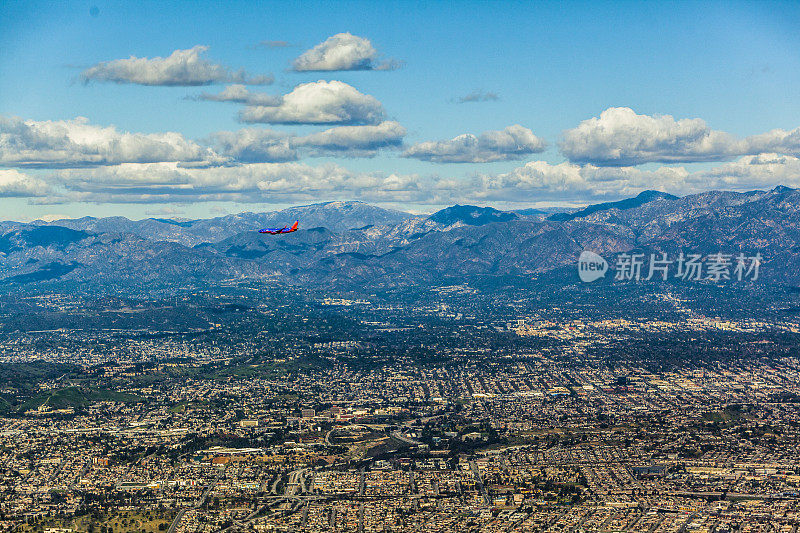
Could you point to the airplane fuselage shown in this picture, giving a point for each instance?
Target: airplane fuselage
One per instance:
(278, 231)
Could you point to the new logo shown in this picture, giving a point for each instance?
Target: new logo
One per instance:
(591, 266)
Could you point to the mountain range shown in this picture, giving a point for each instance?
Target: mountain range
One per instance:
(357, 246)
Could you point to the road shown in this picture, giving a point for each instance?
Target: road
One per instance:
(274, 488)
(296, 480)
(401, 438)
(202, 500)
(479, 481)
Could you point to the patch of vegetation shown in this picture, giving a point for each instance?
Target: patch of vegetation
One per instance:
(182, 407)
(5, 405)
(77, 398)
(24, 376)
(725, 417)
(147, 521)
(271, 369)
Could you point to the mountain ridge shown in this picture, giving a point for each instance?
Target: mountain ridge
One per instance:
(395, 249)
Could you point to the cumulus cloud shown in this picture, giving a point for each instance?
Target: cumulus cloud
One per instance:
(251, 145)
(775, 141)
(257, 182)
(102, 164)
(355, 141)
(254, 145)
(239, 94)
(514, 142)
(751, 172)
(181, 68)
(320, 102)
(288, 182)
(620, 137)
(14, 183)
(540, 180)
(343, 51)
(478, 96)
(77, 143)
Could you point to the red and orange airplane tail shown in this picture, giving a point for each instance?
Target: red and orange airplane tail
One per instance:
(294, 226)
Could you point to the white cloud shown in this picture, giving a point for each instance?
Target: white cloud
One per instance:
(751, 172)
(77, 143)
(620, 137)
(293, 182)
(775, 141)
(182, 67)
(539, 180)
(343, 51)
(252, 145)
(14, 183)
(239, 94)
(298, 182)
(354, 141)
(257, 182)
(321, 102)
(514, 142)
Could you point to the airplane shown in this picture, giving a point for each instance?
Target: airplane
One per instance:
(278, 231)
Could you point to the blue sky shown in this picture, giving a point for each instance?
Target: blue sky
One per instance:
(545, 66)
